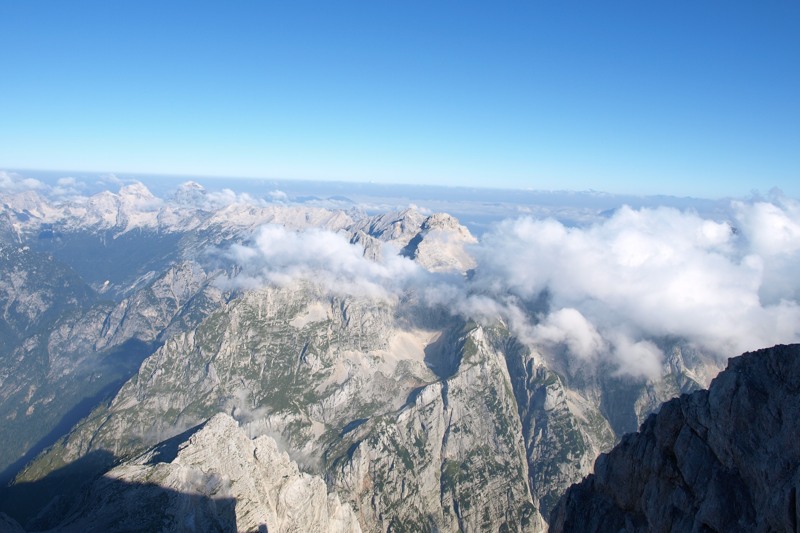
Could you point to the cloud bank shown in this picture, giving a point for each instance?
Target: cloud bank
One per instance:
(726, 287)
(606, 291)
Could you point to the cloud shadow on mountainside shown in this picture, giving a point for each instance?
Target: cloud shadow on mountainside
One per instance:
(118, 365)
(56, 491)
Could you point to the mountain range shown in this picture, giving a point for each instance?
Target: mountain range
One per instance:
(215, 362)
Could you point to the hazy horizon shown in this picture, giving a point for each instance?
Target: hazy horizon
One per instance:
(476, 207)
(222, 180)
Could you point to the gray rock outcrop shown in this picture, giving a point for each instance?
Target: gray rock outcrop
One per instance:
(215, 479)
(722, 459)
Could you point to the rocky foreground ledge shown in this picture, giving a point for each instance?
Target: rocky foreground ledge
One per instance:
(211, 478)
(722, 459)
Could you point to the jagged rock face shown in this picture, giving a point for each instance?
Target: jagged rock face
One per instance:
(452, 457)
(563, 431)
(441, 245)
(291, 361)
(393, 227)
(34, 290)
(215, 479)
(725, 459)
(438, 426)
(451, 460)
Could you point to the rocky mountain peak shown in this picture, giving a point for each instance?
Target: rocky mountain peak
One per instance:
(136, 189)
(441, 221)
(191, 186)
(722, 459)
(26, 204)
(440, 245)
(190, 194)
(395, 227)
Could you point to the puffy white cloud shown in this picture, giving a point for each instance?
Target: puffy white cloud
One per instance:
(111, 179)
(771, 233)
(570, 327)
(770, 228)
(12, 182)
(192, 194)
(68, 187)
(226, 197)
(636, 358)
(278, 196)
(653, 273)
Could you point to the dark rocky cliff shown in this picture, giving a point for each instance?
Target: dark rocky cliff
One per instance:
(725, 459)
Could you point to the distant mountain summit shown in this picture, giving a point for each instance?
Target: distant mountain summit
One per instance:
(722, 459)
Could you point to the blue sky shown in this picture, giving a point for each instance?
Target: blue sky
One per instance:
(683, 98)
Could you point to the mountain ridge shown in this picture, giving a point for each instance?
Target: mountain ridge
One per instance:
(722, 459)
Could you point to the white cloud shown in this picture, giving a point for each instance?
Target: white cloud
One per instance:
(424, 210)
(652, 273)
(771, 233)
(568, 326)
(770, 228)
(112, 179)
(610, 289)
(226, 197)
(280, 256)
(68, 187)
(636, 358)
(192, 194)
(278, 196)
(12, 182)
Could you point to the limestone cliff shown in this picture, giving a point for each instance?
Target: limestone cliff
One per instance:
(452, 459)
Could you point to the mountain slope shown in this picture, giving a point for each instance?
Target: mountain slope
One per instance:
(452, 459)
(212, 478)
(76, 350)
(725, 459)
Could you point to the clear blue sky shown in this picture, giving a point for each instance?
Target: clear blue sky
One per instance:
(689, 98)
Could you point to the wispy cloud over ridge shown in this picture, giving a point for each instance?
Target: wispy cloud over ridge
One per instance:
(280, 256)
